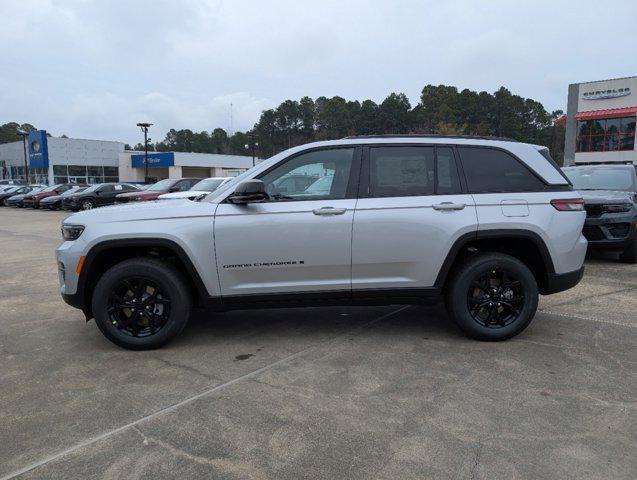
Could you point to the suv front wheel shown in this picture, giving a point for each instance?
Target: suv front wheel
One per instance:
(141, 304)
(492, 296)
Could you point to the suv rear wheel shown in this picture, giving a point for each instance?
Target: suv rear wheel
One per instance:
(492, 296)
(141, 304)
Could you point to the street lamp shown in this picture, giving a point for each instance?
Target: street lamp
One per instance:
(254, 145)
(144, 127)
(24, 136)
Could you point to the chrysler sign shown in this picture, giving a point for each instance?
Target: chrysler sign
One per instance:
(602, 94)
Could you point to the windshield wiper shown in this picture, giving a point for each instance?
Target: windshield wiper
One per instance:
(278, 196)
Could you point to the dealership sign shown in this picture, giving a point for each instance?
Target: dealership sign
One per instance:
(155, 159)
(609, 93)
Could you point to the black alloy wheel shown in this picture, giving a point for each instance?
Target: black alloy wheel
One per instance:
(141, 303)
(495, 298)
(492, 296)
(138, 307)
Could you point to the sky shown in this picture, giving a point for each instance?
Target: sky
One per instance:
(93, 69)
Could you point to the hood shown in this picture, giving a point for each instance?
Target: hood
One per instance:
(605, 196)
(51, 198)
(156, 210)
(186, 194)
(140, 193)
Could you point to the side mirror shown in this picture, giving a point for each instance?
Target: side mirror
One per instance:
(173, 189)
(250, 191)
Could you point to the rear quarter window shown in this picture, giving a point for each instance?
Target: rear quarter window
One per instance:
(489, 170)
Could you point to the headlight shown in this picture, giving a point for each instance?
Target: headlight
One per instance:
(72, 232)
(617, 208)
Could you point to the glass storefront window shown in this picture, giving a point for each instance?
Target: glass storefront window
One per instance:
(606, 135)
(77, 171)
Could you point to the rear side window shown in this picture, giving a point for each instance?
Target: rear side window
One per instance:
(401, 171)
(489, 170)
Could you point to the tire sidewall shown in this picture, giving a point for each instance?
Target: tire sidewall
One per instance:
(457, 298)
(167, 278)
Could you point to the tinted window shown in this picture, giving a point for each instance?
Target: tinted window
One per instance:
(106, 188)
(293, 179)
(489, 170)
(446, 172)
(401, 171)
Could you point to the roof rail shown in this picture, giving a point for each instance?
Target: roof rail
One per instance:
(430, 135)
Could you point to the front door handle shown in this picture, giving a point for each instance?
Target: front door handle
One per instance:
(329, 211)
(449, 206)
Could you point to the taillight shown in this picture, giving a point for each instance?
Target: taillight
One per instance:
(568, 204)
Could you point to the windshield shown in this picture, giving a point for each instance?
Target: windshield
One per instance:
(92, 188)
(208, 184)
(12, 189)
(51, 188)
(73, 190)
(601, 178)
(161, 185)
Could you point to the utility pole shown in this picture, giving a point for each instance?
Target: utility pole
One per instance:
(144, 127)
(24, 145)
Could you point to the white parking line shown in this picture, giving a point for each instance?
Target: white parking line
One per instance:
(590, 319)
(188, 400)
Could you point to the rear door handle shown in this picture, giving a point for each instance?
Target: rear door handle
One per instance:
(329, 211)
(449, 206)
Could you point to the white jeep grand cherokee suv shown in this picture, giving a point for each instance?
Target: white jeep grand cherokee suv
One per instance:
(486, 223)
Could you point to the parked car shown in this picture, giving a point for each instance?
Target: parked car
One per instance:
(18, 199)
(11, 182)
(610, 200)
(204, 187)
(10, 192)
(96, 196)
(34, 198)
(488, 224)
(168, 185)
(54, 202)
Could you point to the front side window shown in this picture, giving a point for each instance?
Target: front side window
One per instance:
(401, 171)
(606, 135)
(317, 175)
(489, 171)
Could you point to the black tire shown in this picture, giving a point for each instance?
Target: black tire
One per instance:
(174, 295)
(87, 204)
(482, 309)
(630, 254)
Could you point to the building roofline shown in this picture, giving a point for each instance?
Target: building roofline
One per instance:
(605, 80)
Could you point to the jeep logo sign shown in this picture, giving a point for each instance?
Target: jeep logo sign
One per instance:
(602, 94)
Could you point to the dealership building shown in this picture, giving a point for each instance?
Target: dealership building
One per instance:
(54, 160)
(600, 122)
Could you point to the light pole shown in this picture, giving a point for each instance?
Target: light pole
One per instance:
(144, 127)
(254, 146)
(24, 136)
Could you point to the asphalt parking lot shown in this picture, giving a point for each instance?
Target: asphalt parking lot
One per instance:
(387, 393)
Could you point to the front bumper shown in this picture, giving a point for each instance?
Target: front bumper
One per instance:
(558, 282)
(615, 232)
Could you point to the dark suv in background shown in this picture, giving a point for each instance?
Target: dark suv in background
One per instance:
(610, 200)
(96, 196)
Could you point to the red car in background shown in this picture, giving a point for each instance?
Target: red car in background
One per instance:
(163, 186)
(33, 200)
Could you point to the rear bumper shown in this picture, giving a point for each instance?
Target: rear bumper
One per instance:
(558, 282)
